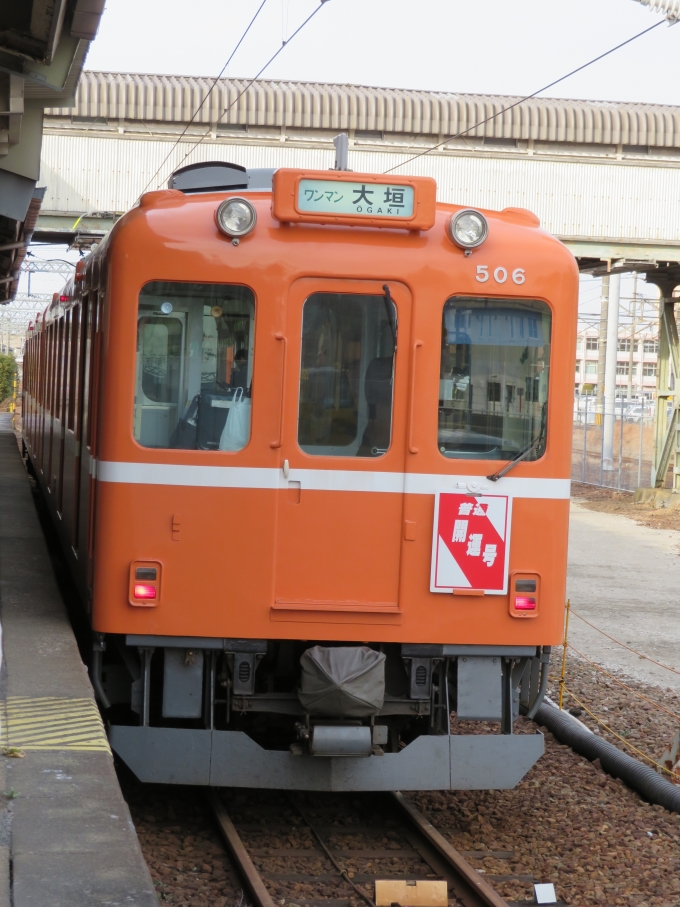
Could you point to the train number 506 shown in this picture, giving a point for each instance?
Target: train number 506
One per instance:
(500, 275)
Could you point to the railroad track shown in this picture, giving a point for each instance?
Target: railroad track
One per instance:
(328, 850)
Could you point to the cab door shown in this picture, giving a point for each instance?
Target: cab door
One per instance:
(342, 447)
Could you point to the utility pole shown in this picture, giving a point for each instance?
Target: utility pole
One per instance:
(610, 371)
(633, 340)
(602, 348)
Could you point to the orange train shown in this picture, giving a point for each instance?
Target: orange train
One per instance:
(305, 437)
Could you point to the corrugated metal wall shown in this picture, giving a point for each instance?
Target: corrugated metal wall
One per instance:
(311, 105)
(579, 199)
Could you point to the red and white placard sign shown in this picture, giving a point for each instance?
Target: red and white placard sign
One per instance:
(471, 544)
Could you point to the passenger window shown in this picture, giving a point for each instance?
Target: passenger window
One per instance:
(194, 371)
(346, 375)
(495, 365)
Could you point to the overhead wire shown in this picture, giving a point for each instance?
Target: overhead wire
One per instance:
(207, 95)
(524, 99)
(248, 84)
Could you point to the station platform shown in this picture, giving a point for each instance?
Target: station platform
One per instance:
(66, 835)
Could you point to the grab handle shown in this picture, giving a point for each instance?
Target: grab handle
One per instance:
(279, 441)
(411, 448)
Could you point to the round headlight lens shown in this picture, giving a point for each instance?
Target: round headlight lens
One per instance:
(468, 229)
(236, 217)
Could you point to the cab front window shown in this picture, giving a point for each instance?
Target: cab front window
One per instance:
(194, 366)
(346, 375)
(493, 388)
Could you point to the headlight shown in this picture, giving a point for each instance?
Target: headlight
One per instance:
(236, 217)
(468, 229)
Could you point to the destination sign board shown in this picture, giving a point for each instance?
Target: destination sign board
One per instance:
(344, 198)
(316, 196)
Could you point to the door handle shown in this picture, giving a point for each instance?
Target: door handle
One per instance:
(279, 441)
(411, 448)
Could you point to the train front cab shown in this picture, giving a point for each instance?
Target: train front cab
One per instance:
(305, 560)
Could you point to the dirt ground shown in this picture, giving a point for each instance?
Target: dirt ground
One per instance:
(606, 500)
(631, 438)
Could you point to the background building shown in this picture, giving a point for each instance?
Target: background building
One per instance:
(635, 369)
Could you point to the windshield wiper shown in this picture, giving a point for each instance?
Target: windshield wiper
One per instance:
(515, 460)
(390, 310)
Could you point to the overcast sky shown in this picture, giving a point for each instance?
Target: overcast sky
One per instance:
(495, 46)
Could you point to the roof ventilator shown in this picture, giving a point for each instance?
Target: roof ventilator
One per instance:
(220, 176)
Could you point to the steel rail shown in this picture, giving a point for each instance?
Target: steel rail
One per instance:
(251, 877)
(467, 883)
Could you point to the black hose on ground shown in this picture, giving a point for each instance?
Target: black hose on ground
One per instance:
(543, 686)
(642, 778)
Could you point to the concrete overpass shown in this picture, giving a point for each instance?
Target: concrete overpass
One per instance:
(604, 177)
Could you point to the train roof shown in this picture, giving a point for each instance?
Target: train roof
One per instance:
(213, 182)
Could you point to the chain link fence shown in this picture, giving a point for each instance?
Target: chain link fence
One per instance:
(613, 449)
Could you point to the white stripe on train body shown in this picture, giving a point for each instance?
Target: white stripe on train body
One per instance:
(326, 480)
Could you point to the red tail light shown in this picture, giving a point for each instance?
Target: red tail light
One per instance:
(145, 591)
(145, 586)
(523, 603)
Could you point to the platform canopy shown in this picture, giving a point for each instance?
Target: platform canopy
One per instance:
(43, 45)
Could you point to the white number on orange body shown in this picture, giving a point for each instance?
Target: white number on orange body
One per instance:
(500, 275)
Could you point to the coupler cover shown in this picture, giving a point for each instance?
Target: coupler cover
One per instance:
(342, 682)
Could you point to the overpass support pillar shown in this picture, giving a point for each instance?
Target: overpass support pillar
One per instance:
(667, 411)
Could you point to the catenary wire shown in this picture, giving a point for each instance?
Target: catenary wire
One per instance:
(208, 93)
(522, 100)
(623, 645)
(255, 78)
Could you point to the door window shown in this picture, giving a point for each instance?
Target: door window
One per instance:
(495, 366)
(346, 375)
(195, 346)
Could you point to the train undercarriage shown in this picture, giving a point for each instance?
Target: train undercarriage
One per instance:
(295, 714)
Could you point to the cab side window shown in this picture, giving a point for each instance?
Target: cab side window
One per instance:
(194, 372)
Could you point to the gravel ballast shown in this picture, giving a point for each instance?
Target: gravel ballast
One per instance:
(567, 822)
(570, 823)
(180, 844)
